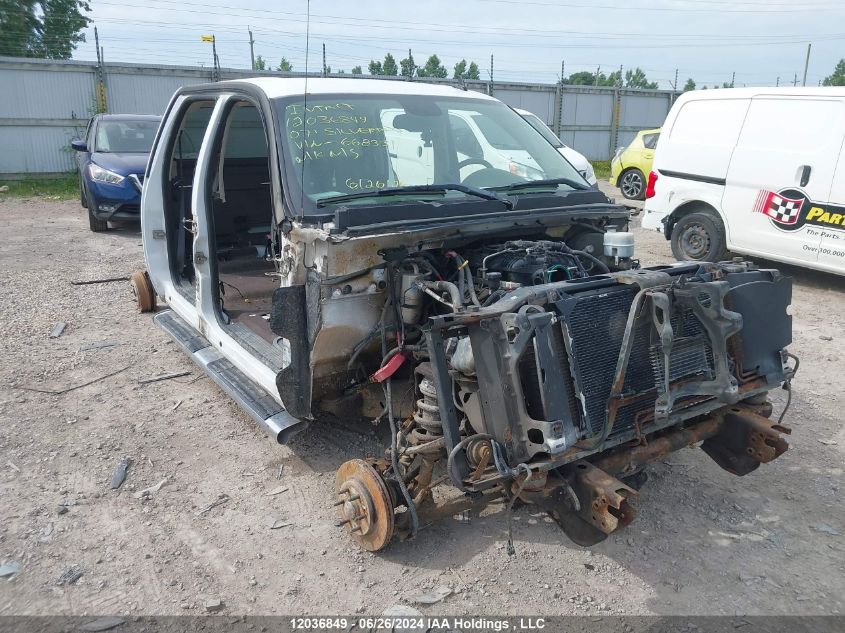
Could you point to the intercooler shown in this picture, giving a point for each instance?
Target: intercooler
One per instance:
(569, 368)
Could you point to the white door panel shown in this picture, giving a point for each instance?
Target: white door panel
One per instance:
(787, 146)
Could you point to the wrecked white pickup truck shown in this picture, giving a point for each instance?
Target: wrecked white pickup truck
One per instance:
(420, 255)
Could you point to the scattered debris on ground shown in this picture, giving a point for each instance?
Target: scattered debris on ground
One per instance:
(90, 282)
(119, 475)
(69, 576)
(221, 499)
(176, 374)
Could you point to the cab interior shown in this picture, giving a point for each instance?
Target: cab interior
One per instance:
(241, 204)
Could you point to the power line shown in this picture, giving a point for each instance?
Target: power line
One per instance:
(422, 26)
(632, 7)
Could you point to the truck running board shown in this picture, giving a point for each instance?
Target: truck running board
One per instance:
(261, 406)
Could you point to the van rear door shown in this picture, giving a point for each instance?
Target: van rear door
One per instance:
(783, 162)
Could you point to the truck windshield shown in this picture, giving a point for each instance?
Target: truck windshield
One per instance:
(335, 145)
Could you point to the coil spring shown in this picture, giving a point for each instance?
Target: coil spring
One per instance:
(427, 412)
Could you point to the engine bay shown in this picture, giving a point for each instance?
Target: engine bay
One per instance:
(528, 368)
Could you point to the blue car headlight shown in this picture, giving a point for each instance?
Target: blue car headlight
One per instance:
(104, 175)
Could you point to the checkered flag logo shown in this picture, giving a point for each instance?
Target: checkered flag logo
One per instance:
(780, 209)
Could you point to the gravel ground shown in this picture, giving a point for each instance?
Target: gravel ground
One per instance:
(705, 542)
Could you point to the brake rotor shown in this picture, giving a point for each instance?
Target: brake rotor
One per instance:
(364, 505)
(142, 291)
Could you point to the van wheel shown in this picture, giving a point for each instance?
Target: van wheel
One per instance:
(142, 290)
(699, 237)
(96, 224)
(632, 184)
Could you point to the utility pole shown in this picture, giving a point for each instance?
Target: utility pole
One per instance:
(251, 49)
(215, 64)
(324, 59)
(596, 82)
(102, 105)
(619, 83)
(733, 77)
(777, 82)
(795, 80)
(806, 64)
(675, 85)
(491, 69)
(556, 124)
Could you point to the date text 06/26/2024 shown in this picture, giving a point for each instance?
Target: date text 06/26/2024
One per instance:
(421, 623)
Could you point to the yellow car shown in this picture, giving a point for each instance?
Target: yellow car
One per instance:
(630, 167)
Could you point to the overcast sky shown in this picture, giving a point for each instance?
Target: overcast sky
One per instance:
(705, 39)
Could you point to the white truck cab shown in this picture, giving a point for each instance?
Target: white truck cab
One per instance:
(754, 171)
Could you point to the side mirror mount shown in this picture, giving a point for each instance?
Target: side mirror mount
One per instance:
(79, 145)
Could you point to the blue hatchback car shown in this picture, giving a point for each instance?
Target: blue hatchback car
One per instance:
(112, 158)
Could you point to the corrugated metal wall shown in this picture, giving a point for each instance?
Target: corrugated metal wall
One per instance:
(47, 103)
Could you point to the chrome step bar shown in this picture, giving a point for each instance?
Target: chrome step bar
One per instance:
(261, 406)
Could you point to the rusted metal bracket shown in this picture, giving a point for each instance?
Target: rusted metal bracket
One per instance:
(603, 499)
(719, 323)
(746, 440)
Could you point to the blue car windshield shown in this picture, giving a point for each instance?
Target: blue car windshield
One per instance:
(125, 136)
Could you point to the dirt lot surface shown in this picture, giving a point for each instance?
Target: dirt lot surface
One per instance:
(705, 542)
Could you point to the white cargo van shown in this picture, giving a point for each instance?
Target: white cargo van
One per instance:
(757, 171)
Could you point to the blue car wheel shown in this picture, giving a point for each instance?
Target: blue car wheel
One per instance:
(94, 223)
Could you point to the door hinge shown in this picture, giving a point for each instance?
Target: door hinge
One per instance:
(190, 226)
(200, 258)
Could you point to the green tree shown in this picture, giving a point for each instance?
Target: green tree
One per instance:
(636, 79)
(259, 64)
(407, 66)
(50, 28)
(613, 79)
(375, 68)
(838, 76)
(467, 72)
(583, 78)
(284, 66)
(690, 85)
(433, 68)
(389, 67)
(356, 70)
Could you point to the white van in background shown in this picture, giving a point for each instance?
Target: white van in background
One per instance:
(757, 171)
(575, 158)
